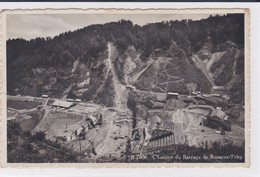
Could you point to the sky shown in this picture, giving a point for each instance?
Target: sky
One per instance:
(29, 26)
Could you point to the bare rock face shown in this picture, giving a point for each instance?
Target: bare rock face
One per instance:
(156, 57)
(129, 66)
(205, 51)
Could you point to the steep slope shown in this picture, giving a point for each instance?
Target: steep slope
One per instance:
(96, 62)
(171, 71)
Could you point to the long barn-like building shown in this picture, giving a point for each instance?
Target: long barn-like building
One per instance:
(63, 104)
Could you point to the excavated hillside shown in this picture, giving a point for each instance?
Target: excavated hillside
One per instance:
(99, 62)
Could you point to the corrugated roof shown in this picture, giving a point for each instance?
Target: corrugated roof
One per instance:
(64, 104)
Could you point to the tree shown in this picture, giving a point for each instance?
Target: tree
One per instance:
(40, 136)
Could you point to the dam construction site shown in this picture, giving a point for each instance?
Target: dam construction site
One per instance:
(138, 123)
(169, 91)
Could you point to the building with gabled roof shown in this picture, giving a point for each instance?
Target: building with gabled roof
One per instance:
(171, 95)
(63, 104)
(218, 120)
(217, 113)
(45, 96)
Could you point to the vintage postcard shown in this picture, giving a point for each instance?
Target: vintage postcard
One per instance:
(125, 88)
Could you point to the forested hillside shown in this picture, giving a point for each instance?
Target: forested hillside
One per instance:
(164, 56)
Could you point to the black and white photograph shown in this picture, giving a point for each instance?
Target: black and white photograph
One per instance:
(129, 87)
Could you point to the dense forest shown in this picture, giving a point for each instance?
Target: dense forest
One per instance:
(45, 65)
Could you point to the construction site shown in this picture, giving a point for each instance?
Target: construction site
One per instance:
(183, 120)
(139, 122)
(159, 124)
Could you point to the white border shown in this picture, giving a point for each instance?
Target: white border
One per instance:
(253, 171)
